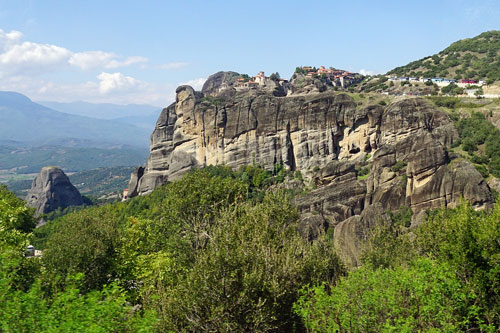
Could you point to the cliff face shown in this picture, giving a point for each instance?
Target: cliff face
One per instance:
(300, 132)
(51, 189)
(329, 138)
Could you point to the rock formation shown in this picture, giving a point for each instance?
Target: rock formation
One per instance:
(329, 138)
(50, 190)
(214, 81)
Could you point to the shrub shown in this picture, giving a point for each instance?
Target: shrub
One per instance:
(400, 165)
(248, 275)
(425, 296)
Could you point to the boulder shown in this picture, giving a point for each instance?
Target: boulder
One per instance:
(215, 81)
(50, 190)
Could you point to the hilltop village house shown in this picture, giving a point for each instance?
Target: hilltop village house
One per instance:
(442, 82)
(256, 82)
(337, 77)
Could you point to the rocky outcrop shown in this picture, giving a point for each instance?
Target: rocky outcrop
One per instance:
(50, 190)
(300, 132)
(401, 149)
(215, 81)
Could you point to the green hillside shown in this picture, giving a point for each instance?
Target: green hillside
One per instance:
(95, 182)
(102, 181)
(475, 58)
(32, 159)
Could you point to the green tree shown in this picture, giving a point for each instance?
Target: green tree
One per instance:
(13, 212)
(247, 276)
(275, 76)
(467, 240)
(70, 311)
(85, 242)
(425, 296)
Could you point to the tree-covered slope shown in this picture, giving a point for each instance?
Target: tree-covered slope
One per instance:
(220, 251)
(475, 58)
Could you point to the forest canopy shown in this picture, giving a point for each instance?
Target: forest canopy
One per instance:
(222, 250)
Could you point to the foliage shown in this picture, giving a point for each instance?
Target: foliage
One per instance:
(98, 311)
(85, 241)
(474, 58)
(13, 213)
(400, 165)
(275, 76)
(377, 83)
(15, 221)
(452, 89)
(217, 250)
(453, 102)
(468, 241)
(425, 296)
(23, 303)
(212, 101)
(475, 131)
(442, 276)
(479, 92)
(248, 275)
(362, 172)
(389, 244)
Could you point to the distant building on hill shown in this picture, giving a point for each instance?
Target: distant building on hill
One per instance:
(125, 194)
(261, 78)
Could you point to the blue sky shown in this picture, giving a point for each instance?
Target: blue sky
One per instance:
(139, 51)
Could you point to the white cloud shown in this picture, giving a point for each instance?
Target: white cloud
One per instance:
(32, 57)
(367, 72)
(173, 65)
(7, 38)
(99, 59)
(109, 82)
(90, 59)
(123, 91)
(32, 69)
(197, 84)
(127, 62)
(23, 58)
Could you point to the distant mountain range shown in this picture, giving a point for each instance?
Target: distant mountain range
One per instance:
(30, 123)
(140, 115)
(33, 135)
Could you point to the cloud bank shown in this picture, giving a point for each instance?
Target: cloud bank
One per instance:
(24, 66)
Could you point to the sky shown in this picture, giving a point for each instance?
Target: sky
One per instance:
(140, 51)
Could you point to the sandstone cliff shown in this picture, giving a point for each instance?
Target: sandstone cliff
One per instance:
(329, 138)
(50, 190)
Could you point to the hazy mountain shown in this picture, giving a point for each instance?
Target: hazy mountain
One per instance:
(104, 110)
(24, 121)
(146, 122)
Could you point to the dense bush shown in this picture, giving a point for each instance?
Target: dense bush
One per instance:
(475, 131)
(468, 241)
(425, 296)
(13, 212)
(443, 276)
(246, 278)
(211, 251)
(219, 250)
